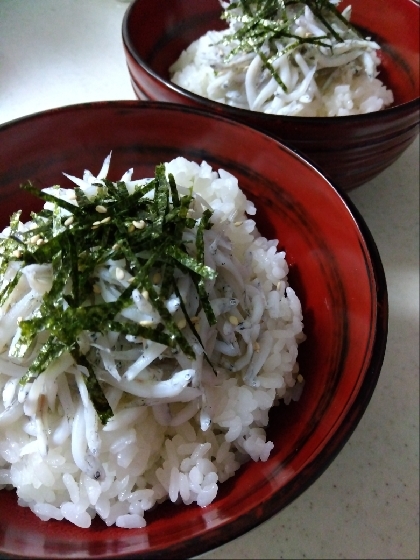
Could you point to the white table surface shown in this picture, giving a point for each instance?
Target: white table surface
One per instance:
(366, 505)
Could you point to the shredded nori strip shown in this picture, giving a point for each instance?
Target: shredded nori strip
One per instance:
(77, 239)
(192, 327)
(94, 389)
(9, 287)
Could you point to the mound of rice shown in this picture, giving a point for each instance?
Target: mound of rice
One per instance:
(179, 427)
(338, 78)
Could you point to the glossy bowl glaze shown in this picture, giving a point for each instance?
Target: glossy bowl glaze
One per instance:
(350, 150)
(334, 268)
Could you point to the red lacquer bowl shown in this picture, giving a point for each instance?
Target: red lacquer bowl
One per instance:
(334, 268)
(350, 150)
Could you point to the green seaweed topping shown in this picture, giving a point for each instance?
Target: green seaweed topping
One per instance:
(13, 247)
(146, 228)
(260, 23)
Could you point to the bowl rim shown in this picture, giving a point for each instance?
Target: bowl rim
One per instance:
(236, 112)
(320, 462)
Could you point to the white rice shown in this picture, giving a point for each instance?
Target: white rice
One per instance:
(173, 439)
(320, 81)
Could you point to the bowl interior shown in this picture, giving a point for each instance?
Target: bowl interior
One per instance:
(334, 268)
(394, 25)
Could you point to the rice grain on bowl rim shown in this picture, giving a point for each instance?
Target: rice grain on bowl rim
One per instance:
(172, 435)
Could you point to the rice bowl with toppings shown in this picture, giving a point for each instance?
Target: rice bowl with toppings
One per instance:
(286, 58)
(175, 332)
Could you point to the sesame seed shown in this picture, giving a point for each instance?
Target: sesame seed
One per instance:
(19, 319)
(101, 209)
(256, 347)
(233, 320)
(94, 227)
(279, 286)
(131, 279)
(156, 278)
(69, 221)
(182, 324)
(17, 253)
(146, 323)
(131, 228)
(139, 225)
(106, 220)
(238, 224)
(34, 239)
(97, 288)
(299, 378)
(145, 294)
(96, 223)
(119, 273)
(33, 226)
(40, 241)
(115, 247)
